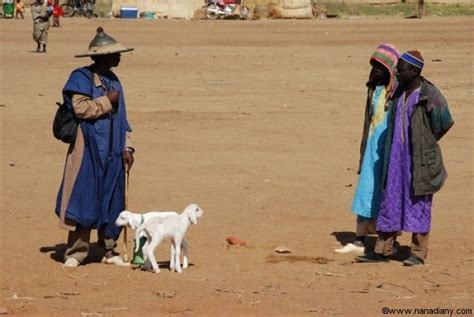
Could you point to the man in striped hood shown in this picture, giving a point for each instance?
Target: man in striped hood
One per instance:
(368, 193)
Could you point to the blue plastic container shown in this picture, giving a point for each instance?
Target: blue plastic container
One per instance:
(128, 12)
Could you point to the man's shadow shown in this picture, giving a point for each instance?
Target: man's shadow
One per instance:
(345, 237)
(96, 252)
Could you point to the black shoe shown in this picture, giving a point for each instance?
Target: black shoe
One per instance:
(413, 260)
(372, 257)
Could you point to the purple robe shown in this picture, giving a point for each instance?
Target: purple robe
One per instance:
(400, 209)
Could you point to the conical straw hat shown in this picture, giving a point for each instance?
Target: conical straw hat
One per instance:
(102, 44)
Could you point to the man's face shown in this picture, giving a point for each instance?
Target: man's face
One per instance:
(114, 59)
(405, 72)
(379, 74)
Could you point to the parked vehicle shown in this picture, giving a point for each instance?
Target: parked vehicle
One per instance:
(79, 8)
(215, 9)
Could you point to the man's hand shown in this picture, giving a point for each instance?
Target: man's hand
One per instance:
(128, 158)
(114, 97)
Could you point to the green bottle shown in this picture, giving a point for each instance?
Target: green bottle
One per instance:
(138, 255)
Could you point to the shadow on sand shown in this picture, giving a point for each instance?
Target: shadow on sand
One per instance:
(344, 237)
(96, 252)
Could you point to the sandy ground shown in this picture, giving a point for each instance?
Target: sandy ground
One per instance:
(259, 122)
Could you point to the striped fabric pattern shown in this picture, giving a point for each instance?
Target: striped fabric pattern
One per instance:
(414, 58)
(388, 55)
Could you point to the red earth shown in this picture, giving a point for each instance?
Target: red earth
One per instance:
(259, 122)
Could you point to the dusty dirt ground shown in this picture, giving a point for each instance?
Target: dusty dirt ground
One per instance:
(259, 122)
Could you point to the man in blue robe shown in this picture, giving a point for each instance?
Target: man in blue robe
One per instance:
(93, 186)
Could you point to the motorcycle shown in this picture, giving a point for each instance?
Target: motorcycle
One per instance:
(215, 9)
(79, 8)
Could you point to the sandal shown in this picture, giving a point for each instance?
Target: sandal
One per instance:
(71, 262)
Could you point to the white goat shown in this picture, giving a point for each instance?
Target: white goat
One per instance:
(172, 226)
(133, 220)
(128, 218)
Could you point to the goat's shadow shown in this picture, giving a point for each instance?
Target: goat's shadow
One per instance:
(344, 237)
(95, 255)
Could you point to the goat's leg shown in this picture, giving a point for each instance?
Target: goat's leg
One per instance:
(155, 241)
(146, 259)
(147, 265)
(172, 256)
(177, 252)
(144, 250)
(184, 247)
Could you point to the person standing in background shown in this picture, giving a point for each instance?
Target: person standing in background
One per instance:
(57, 13)
(19, 9)
(40, 14)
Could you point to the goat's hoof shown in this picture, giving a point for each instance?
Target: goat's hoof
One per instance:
(179, 271)
(157, 271)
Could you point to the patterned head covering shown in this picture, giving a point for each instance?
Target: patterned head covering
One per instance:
(387, 55)
(413, 58)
